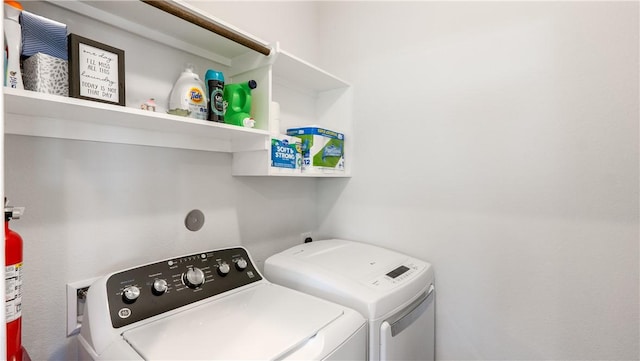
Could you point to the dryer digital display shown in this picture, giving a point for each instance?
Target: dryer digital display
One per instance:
(398, 271)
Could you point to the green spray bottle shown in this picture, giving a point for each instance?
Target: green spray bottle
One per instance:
(238, 98)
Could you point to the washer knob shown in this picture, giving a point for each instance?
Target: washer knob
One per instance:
(241, 264)
(193, 278)
(159, 287)
(130, 294)
(223, 269)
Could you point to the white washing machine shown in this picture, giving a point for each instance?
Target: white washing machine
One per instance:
(393, 291)
(213, 305)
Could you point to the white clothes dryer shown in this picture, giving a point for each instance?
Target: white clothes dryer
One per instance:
(395, 292)
(213, 305)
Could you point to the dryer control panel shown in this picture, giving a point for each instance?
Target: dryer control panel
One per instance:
(146, 291)
(403, 273)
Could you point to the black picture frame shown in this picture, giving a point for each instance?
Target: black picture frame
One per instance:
(96, 71)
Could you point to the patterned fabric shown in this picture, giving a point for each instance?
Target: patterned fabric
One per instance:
(42, 35)
(46, 74)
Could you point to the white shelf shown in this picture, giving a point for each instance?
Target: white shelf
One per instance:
(52, 116)
(45, 115)
(257, 163)
(296, 175)
(151, 23)
(297, 73)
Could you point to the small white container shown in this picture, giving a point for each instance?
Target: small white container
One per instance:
(13, 38)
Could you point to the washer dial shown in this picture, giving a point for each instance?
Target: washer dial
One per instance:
(241, 264)
(130, 294)
(223, 269)
(193, 278)
(159, 287)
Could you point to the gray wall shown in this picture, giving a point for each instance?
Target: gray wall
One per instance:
(498, 140)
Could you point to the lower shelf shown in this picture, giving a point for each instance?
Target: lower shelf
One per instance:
(258, 163)
(45, 115)
(294, 175)
(52, 116)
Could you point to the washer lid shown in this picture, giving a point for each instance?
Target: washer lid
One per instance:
(261, 323)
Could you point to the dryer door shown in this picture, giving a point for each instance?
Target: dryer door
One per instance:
(410, 334)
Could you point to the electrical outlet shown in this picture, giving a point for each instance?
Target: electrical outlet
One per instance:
(305, 237)
(76, 297)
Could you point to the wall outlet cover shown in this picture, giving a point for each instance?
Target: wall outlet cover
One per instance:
(75, 305)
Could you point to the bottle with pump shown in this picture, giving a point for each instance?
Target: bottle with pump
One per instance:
(187, 97)
(214, 83)
(13, 40)
(13, 284)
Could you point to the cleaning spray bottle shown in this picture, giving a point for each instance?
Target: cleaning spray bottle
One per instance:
(187, 97)
(238, 98)
(13, 39)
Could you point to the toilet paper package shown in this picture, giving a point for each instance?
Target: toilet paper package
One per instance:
(322, 149)
(286, 153)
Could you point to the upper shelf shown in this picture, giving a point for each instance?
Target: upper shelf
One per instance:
(146, 20)
(300, 74)
(142, 19)
(53, 116)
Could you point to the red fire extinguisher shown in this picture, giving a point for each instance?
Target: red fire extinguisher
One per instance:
(13, 284)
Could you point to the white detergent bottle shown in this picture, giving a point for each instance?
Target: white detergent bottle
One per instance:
(13, 37)
(187, 97)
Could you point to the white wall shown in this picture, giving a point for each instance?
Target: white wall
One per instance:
(292, 23)
(94, 208)
(499, 141)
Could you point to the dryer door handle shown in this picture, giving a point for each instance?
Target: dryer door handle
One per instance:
(406, 317)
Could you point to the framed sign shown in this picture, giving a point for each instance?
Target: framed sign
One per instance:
(96, 71)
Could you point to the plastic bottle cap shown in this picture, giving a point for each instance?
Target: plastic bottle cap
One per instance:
(15, 4)
(189, 67)
(214, 74)
(252, 84)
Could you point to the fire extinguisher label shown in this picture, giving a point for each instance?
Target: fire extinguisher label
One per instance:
(13, 291)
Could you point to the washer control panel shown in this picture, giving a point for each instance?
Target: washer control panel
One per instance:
(142, 292)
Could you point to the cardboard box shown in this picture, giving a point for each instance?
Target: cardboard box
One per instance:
(46, 74)
(322, 149)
